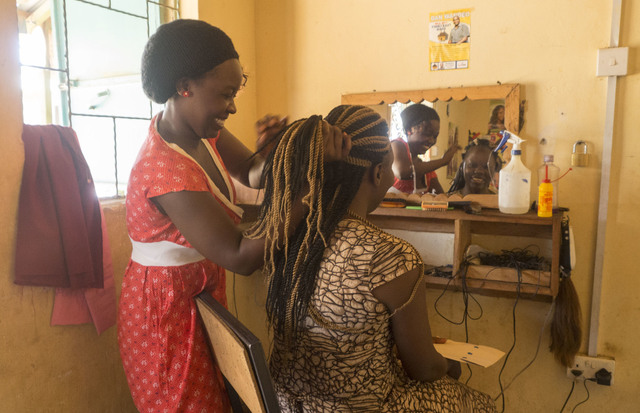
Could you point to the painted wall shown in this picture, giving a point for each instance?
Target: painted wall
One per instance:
(309, 53)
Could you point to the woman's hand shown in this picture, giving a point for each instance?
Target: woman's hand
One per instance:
(337, 144)
(451, 151)
(267, 128)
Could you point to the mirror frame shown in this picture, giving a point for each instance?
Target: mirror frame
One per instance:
(509, 92)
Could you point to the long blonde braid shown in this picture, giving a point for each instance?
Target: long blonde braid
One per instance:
(295, 168)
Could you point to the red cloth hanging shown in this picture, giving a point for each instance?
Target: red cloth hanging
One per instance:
(59, 233)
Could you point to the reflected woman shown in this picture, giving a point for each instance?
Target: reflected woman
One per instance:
(474, 175)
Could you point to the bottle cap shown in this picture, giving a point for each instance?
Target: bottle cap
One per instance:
(548, 158)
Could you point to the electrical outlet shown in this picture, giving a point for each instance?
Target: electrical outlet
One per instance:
(590, 365)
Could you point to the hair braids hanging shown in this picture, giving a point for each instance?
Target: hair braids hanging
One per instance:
(296, 166)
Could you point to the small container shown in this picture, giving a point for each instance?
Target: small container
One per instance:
(549, 170)
(545, 199)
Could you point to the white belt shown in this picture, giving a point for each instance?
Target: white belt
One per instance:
(163, 254)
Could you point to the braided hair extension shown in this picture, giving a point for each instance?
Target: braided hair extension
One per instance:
(458, 182)
(296, 166)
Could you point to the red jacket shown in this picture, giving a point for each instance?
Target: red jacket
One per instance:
(59, 242)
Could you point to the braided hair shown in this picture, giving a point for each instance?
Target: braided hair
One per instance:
(296, 166)
(458, 182)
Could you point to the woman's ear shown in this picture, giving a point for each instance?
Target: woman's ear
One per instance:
(182, 85)
(376, 174)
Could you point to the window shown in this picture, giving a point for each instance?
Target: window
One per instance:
(80, 63)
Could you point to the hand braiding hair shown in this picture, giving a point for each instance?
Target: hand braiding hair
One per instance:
(294, 167)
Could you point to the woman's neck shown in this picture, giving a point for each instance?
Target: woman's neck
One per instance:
(173, 128)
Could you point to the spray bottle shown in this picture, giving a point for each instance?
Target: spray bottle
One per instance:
(514, 192)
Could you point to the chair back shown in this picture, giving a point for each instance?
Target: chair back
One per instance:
(239, 355)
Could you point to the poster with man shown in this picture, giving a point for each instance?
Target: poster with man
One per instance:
(449, 39)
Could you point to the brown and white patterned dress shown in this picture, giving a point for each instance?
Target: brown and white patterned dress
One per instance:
(344, 358)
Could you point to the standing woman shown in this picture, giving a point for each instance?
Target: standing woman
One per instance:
(181, 218)
(412, 175)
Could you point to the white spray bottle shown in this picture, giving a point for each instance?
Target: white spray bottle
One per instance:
(514, 191)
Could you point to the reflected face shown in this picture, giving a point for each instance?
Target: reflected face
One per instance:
(214, 98)
(501, 114)
(476, 170)
(423, 136)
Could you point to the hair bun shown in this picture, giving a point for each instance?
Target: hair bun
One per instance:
(182, 48)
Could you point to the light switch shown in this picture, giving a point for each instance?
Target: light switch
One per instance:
(612, 61)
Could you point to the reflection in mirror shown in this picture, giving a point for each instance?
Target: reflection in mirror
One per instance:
(469, 112)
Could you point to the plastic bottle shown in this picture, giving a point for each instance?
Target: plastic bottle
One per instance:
(551, 171)
(545, 199)
(514, 193)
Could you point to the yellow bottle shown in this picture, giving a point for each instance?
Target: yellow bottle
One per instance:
(545, 199)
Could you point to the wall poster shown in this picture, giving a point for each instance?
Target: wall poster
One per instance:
(449, 39)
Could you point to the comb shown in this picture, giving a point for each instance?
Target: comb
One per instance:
(435, 205)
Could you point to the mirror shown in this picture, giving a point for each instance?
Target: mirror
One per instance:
(463, 110)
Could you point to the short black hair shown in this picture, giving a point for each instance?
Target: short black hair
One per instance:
(183, 48)
(414, 114)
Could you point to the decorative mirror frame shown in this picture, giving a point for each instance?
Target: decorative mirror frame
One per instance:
(509, 92)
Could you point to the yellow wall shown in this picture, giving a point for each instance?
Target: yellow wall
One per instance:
(309, 53)
(301, 56)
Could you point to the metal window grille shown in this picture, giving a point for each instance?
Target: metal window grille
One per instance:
(73, 28)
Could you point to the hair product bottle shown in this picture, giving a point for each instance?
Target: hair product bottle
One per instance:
(549, 170)
(514, 193)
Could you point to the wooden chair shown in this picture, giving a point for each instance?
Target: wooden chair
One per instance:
(240, 356)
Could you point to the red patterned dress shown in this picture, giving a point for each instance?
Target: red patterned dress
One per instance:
(164, 351)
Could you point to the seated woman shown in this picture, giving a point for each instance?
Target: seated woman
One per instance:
(347, 301)
(477, 171)
(412, 175)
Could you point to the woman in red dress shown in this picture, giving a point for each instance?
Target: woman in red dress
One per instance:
(181, 217)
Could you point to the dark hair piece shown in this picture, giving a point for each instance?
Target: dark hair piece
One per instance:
(183, 48)
(415, 114)
(494, 115)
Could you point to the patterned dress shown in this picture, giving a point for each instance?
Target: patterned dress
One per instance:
(164, 351)
(344, 358)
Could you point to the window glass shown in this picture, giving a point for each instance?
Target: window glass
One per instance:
(138, 7)
(130, 133)
(104, 3)
(44, 97)
(99, 94)
(159, 15)
(96, 137)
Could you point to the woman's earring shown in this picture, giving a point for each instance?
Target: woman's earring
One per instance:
(186, 94)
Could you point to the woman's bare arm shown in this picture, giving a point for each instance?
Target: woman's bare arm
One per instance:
(410, 326)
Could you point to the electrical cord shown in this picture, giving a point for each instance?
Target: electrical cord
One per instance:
(585, 400)
(513, 345)
(573, 385)
(465, 315)
(544, 324)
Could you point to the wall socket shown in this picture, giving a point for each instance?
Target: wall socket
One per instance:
(590, 365)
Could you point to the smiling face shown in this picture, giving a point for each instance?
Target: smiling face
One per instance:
(423, 136)
(213, 98)
(476, 171)
(456, 21)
